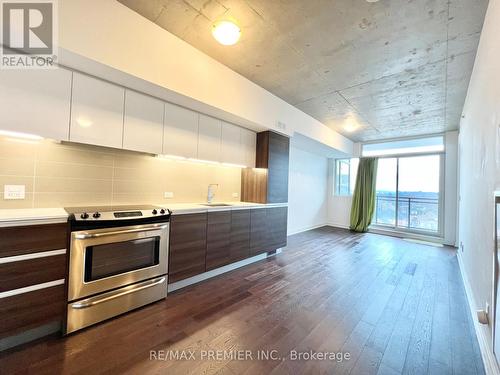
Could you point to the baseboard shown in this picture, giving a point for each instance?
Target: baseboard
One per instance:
(216, 272)
(490, 363)
(416, 236)
(30, 335)
(337, 225)
(402, 234)
(306, 229)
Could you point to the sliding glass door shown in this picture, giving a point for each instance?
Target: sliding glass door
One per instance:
(409, 193)
(418, 192)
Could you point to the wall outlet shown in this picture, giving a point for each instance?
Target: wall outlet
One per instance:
(461, 246)
(235, 195)
(14, 191)
(168, 194)
(482, 316)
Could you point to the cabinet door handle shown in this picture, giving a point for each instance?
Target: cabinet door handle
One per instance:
(85, 235)
(89, 302)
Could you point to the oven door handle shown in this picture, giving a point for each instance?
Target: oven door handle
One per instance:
(84, 235)
(89, 302)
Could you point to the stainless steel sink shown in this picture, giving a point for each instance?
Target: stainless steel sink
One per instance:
(216, 204)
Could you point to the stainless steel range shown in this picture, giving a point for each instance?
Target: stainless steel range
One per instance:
(118, 261)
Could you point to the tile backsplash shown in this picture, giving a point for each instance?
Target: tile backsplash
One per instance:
(66, 174)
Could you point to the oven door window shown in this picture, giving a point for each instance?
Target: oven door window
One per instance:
(116, 258)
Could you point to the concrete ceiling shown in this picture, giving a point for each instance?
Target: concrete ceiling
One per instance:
(368, 70)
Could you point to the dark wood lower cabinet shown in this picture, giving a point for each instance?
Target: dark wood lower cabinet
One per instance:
(240, 235)
(277, 226)
(268, 229)
(15, 275)
(32, 238)
(218, 239)
(30, 310)
(23, 313)
(259, 232)
(188, 246)
(203, 242)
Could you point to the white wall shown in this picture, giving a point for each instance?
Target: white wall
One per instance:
(339, 211)
(307, 190)
(479, 172)
(113, 35)
(451, 188)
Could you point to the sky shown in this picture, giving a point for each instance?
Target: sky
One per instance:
(416, 173)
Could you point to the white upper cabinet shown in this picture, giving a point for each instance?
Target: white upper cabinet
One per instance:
(96, 112)
(248, 145)
(36, 102)
(71, 106)
(143, 123)
(209, 139)
(180, 131)
(232, 152)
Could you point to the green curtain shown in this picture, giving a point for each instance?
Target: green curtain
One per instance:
(363, 199)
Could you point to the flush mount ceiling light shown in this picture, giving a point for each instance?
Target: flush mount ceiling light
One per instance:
(372, 1)
(351, 125)
(226, 32)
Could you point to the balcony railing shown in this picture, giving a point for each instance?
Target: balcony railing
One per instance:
(413, 212)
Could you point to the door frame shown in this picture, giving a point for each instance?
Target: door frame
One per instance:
(441, 197)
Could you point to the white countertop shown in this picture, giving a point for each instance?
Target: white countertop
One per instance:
(32, 216)
(192, 208)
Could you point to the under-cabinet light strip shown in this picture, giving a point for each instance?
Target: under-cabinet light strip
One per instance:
(200, 161)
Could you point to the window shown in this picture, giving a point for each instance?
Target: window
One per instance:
(408, 193)
(404, 146)
(345, 176)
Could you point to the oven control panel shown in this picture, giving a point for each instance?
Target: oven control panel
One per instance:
(120, 215)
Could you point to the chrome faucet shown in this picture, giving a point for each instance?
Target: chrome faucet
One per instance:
(210, 193)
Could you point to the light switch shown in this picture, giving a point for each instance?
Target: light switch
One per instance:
(168, 194)
(14, 191)
(235, 195)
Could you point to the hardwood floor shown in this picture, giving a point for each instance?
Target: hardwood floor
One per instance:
(394, 306)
